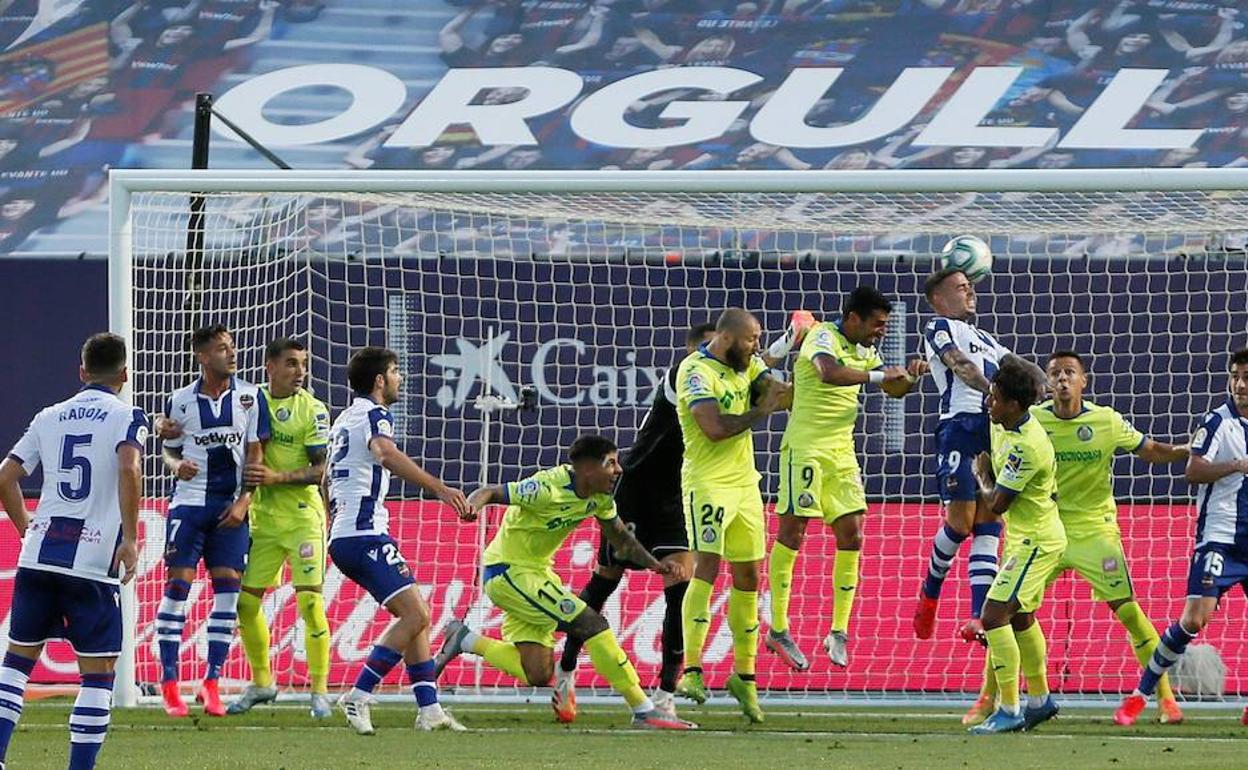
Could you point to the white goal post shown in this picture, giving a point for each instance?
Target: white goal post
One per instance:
(581, 285)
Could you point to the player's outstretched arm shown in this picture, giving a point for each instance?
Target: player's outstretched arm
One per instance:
(481, 498)
(129, 490)
(965, 369)
(718, 426)
(260, 475)
(800, 322)
(11, 473)
(629, 548)
(1201, 471)
(392, 459)
(1160, 453)
(898, 388)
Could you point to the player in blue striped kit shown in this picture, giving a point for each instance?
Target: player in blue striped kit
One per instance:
(80, 544)
(221, 421)
(1218, 467)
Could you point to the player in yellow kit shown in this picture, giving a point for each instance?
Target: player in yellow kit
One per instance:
(819, 473)
(715, 389)
(542, 511)
(1085, 437)
(1024, 470)
(287, 526)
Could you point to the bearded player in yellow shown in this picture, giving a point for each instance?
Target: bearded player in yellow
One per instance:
(542, 511)
(1085, 437)
(819, 474)
(715, 387)
(287, 526)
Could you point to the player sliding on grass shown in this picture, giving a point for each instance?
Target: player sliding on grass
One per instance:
(1218, 466)
(1085, 437)
(543, 509)
(819, 474)
(648, 500)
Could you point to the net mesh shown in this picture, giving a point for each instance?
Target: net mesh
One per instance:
(586, 298)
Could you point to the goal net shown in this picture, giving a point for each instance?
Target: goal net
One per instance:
(582, 285)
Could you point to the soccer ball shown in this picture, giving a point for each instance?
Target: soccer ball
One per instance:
(968, 255)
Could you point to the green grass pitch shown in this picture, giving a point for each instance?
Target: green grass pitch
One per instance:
(527, 736)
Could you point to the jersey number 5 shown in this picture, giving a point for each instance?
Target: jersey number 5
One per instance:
(71, 462)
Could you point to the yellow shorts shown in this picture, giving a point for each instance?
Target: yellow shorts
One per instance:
(826, 486)
(726, 520)
(303, 548)
(1100, 561)
(1024, 575)
(535, 602)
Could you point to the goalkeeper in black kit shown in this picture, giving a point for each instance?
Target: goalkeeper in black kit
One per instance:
(648, 498)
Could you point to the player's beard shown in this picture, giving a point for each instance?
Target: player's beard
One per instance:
(738, 360)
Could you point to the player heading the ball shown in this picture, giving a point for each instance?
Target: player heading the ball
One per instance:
(963, 360)
(362, 456)
(542, 511)
(81, 542)
(819, 473)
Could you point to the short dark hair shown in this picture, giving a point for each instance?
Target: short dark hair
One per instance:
(103, 354)
(935, 280)
(698, 331)
(865, 300)
(277, 347)
(366, 365)
(733, 319)
(204, 335)
(1068, 354)
(1017, 383)
(1239, 357)
(591, 446)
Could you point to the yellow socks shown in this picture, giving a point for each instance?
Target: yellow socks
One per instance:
(1032, 651)
(1005, 660)
(845, 580)
(696, 616)
(780, 566)
(743, 621)
(253, 627)
(1144, 640)
(503, 656)
(316, 638)
(613, 665)
(989, 688)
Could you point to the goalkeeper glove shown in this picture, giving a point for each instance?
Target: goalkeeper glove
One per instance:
(799, 323)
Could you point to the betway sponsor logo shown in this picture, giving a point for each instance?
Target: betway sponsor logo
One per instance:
(218, 438)
(704, 114)
(471, 366)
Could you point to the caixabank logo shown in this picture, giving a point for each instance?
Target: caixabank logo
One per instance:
(596, 377)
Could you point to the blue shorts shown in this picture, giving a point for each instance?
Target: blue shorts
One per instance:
(50, 605)
(1216, 568)
(374, 563)
(959, 440)
(192, 531)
